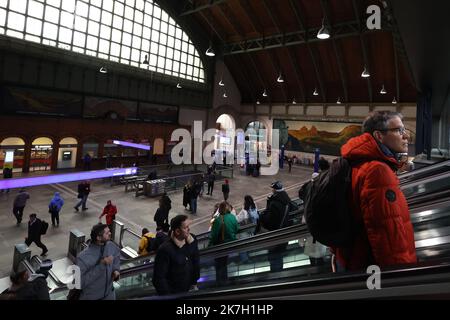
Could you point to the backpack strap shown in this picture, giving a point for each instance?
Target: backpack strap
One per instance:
(222, 229)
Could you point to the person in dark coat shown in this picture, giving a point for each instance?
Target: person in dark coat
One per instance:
(84, 189)
(160, 237)
(167, 203)
(7, 174)
(210, 179)
(226, 190)
(187, 196)
(273, 220)
(55, 207)
(87, 159)
(161, 215)
(28, 287)
(20, 202)
(177, 267)
(34, 233)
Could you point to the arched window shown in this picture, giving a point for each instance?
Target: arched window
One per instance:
(133, 32)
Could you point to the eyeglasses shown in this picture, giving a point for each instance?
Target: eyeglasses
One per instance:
(400, 130)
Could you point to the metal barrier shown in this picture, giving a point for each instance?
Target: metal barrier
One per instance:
(76, 240)
(21, 253)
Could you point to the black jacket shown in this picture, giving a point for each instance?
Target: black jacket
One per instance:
(84, 189)
(176, 269)
(226, 188)
(157, 241)
(35, 289)
(161, 216)
(34, 230)
(167, 203)
(276, 206)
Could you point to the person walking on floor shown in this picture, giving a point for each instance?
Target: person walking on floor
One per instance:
(83, 192)
(54, 208)
(35, 228)
(19, 205)
(161, 215)
(110, 212)
(211, 178)
(226, 190)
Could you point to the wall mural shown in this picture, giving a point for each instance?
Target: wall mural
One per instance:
(15, 100)
(95, 107)
(306, 136)
(158, 113)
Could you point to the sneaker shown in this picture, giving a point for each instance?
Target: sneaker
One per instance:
(76, 209)
(84, 209)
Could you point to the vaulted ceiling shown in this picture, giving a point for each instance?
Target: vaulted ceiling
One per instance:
(261, 39)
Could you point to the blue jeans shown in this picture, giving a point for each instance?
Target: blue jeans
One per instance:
(194, 205)
(82, 202)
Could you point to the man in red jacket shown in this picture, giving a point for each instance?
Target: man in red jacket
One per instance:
(386, 235)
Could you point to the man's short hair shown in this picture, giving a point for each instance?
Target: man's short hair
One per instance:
(378, 120)
(177, 221)
(323, 164)
(144, 231)
(33, 215)
(97, 230)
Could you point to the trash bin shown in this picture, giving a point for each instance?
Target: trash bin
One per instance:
(154, 188)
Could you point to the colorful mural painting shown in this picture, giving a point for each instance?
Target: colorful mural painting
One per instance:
(16, 100)
(95, 107)
(158, 113)
(306, 136)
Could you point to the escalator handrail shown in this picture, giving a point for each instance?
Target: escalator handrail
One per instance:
(54, 277)
(424, 169)
(257, 242)
(329, 283)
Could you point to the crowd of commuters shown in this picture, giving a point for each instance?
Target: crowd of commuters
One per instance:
(386, 236)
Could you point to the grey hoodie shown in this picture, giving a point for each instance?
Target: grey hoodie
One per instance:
(96, 277)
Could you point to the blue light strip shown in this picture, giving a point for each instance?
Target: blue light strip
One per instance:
(132, 145)
(66, 177)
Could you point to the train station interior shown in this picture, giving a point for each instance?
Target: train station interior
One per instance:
(142, 98)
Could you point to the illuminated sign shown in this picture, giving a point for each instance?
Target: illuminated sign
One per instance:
(132, 145)
(67, 177)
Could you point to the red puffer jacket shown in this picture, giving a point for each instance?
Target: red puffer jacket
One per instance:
(110, 212)
(386, 236)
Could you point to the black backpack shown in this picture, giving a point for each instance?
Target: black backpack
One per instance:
(44, 227)
(327, 209)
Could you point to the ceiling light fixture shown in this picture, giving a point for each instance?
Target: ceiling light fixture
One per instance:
(221, 83)
(293, 101)
(323, 32)
(179, 86)
(394, 101)
(210, 52)
(365, 73)
(339, 100)
(315, 93)
(103, 70)
(257, 102)
(264, 93)
(280, 78)
(225, 95)
(145, 59)
(383, 90)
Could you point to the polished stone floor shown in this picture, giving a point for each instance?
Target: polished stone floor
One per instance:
(135, 213)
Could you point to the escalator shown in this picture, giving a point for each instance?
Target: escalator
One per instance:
(431, 224)
(136, 281)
